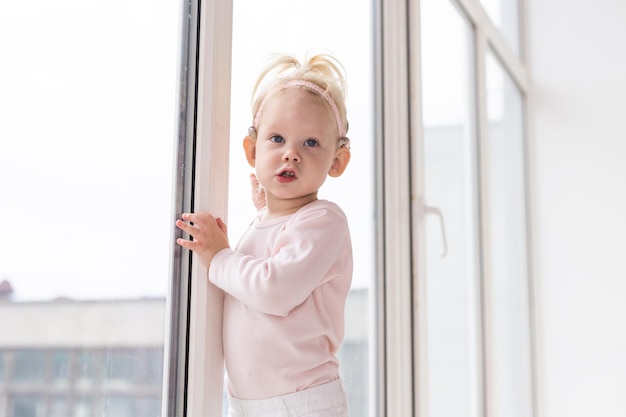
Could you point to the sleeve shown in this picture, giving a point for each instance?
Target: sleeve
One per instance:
(304, 257)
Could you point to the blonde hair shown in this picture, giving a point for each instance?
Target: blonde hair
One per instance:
(323, 71)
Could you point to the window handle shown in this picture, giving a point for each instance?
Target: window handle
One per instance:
(436, 211)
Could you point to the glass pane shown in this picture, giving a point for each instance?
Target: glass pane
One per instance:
(29, 366)
(2, 367)
(121, 406)
(58, 407)
(507, 295)
(505, 16)
(449, 167)
(122, 367)
(61, 367)
(87, 368)
(301, 28)
(87, 133)
(24, 405)
(82, 408)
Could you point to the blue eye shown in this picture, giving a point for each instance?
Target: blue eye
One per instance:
(310, 142)
(277, 139)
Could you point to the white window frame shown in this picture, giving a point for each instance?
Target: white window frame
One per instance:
(206, 370)
(397, 358)
(193, 381)
(486, 37)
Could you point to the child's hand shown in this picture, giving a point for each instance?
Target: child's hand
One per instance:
(258, 193)
(208, 233)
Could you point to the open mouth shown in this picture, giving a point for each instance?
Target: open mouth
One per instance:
(287, 174)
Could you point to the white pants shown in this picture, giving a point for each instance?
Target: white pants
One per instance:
(326, 400)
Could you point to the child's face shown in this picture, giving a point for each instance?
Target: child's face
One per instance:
(296, 146)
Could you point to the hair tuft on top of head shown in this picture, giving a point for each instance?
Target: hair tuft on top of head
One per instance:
(323, 70)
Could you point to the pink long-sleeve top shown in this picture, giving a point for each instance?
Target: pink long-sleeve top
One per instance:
(286, 285)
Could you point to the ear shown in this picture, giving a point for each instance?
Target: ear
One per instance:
(249, 147)
(342, 157)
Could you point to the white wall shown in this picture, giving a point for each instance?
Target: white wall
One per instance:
(578, 66)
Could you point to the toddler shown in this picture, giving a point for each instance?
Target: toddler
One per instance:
(287, 280)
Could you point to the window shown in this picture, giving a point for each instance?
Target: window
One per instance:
(29, 366)
(2, 367)
(449, 168)
(508, 292)
(87, 111)
(52, 380)
(473, 326)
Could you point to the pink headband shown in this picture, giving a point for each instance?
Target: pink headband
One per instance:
(311, 86)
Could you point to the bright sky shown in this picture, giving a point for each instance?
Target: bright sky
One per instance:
(87, 116)
(86, 137)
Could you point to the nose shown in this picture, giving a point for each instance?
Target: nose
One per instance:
(291, 155)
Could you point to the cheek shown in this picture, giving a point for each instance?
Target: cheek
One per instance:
(328, 161)
(322, 167)
(263, 165)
